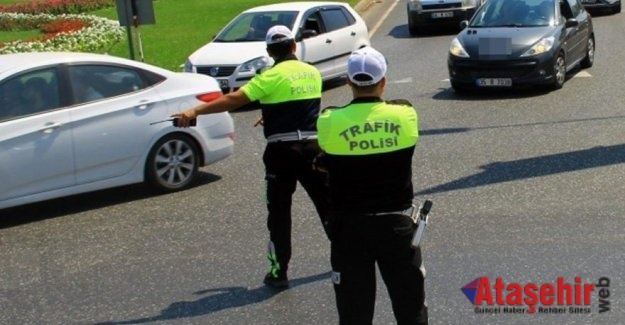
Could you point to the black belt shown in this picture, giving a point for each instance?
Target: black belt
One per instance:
(406, 212)
(292, 136)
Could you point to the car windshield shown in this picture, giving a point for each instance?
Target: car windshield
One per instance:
(253, 26)
(515, 13)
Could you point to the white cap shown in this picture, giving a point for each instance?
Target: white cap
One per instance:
(277, 34)
(366, 61)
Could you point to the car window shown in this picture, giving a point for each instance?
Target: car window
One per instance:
(29, 93)
(565, 9)
(313, 22)
(514, 13)
(95, 82)
(253, 26)
(576, 7)
(335, 18)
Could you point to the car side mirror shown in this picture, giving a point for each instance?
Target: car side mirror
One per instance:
(464, 24)
(571, 22)
(308, 33)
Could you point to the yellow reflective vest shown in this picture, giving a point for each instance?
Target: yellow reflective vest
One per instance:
(367, 127)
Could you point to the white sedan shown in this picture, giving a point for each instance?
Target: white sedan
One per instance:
(325, 32)
(77, 122)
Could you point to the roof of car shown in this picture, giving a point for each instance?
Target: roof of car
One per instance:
(23, 58)
(300, 5)
(35, 59)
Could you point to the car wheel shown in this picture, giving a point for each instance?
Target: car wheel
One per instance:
(412, 26)
(588, 61)
(459, 88)
(617, 9)
(172, 163)
(559, 72)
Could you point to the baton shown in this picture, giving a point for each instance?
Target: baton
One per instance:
(421, 219)
(192, 122)
(161, 121)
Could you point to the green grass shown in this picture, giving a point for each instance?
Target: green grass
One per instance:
(22, 34)
(181, 28)
(8, 2)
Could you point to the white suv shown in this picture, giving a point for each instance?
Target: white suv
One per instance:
(326, 33)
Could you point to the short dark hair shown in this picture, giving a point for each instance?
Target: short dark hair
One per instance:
(281, 49)
(364, 77)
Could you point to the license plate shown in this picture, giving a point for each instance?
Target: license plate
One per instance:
(223, 83)
(445, 14)
(494, 82)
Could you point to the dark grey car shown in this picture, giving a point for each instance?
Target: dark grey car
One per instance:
(511, 43)
(614, 6)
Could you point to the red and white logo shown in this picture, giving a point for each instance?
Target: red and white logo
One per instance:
(559, 297)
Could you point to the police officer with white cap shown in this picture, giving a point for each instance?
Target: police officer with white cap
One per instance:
(368, 147)
(290, 97)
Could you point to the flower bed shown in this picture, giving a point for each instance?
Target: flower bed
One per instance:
(57, 7)
(62, 32)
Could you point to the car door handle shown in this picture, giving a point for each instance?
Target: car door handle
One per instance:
(143, 105)
(352, 33)
(328, 41)
(50, 126)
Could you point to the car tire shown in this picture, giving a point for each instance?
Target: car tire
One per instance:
(617, 9)
(412, 25)
(460, 89)
(588, 61)
(559, 71)
(172, 163)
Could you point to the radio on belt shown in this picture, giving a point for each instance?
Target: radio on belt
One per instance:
(420, 217)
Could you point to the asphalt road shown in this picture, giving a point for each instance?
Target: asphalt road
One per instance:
(527, 187)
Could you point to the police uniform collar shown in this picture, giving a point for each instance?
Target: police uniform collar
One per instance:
(371, 99)
(286, 58)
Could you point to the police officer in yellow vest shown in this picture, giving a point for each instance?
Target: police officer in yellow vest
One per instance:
(290, 97)
(368, 147)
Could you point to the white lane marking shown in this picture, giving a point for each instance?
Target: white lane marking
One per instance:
(401, 81)
(582, 74)
(382, 19)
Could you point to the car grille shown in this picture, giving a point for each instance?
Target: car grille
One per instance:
(495, 69)
(441, 6)
(217, 71)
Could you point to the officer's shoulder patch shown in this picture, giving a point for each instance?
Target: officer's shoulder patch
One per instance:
(399, 101)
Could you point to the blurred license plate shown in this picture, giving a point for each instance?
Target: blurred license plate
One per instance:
(494, 82)
(445, 14)
(223, 83)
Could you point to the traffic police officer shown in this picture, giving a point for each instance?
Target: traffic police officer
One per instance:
(290, 96)
(368, 147)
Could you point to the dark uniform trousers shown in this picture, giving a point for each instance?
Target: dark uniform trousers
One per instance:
(359, 241)
(286, 163)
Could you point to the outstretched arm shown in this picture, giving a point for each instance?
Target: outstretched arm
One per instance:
(225, 103)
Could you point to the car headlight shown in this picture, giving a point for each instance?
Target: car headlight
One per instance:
(456, 49)
(254, 65)
(542, 46)
(470, 3)
(414, 4)
(188, 67)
